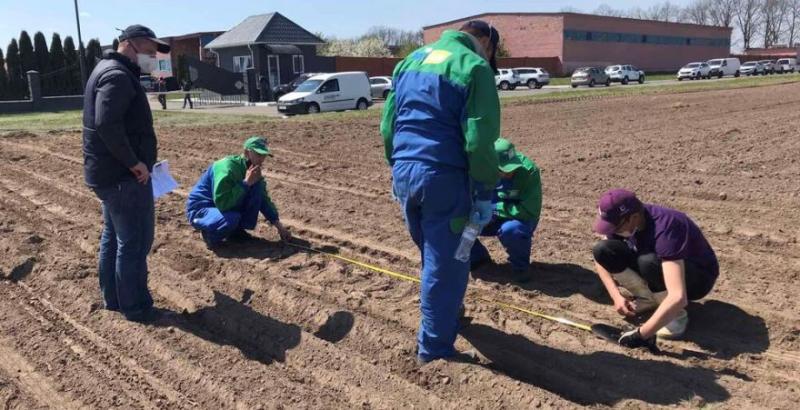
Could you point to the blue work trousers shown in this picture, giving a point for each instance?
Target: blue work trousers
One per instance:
(436, 202)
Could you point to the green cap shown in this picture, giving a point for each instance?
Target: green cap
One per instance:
(257, 144)
(508, 160)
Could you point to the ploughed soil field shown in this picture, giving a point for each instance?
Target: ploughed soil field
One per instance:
(267, 325)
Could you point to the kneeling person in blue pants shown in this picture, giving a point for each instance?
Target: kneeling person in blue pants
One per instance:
(518, 204)
(227, 199)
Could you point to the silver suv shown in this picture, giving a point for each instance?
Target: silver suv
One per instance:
(533, 77)
(590, 76)
(506, 79)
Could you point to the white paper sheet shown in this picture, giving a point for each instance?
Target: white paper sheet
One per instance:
(163, 183)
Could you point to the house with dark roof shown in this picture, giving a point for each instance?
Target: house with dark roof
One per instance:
(276, 47)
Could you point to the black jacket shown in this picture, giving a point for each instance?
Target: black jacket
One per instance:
(117, 123)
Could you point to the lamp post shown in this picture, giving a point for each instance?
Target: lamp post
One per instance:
(81, 53)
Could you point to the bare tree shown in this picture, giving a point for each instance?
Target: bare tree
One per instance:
(606, 10)
(666, 11)
(697, 12)
(748, 13)
(721, 12)
(793, 22)
(569, 9)
(773, 17)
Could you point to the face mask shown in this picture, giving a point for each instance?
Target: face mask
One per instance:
(627, 234)
(146, 62)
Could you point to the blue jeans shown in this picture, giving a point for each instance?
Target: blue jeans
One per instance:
(128, 229)
(218, 225)
(515, 236)
(434, 200)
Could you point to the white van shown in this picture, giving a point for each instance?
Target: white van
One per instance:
(724, 66)
(786, 65)
(328, 92)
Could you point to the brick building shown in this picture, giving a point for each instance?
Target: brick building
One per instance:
(774, 52)
(190, 45)
(582, 39)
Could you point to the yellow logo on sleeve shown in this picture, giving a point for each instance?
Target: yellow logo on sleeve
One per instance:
(437, 57)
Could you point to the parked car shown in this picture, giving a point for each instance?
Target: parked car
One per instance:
(752, 68)
(147, 82)
(590, 76)
(786, 65)
(284, 89)
(507, 79)
(724, 66)
(380, 86)
(769, 66)
(328, 92)
(533, 77)
(625, 73)
(694, 71)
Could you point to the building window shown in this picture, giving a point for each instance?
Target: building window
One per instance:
(164, 65)
(580, 35)
(298, 64)
(241, 63)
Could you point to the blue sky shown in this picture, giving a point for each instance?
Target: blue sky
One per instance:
(343, 18)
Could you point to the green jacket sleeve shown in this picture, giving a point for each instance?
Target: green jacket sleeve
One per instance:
(268, 208)
(387, 125)
(529, 206)
(482, 127)
(229, 186)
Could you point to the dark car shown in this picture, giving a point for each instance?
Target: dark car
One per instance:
(284, 89)
(148, 83)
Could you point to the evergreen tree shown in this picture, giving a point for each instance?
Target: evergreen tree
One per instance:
(72, 76)
(16, 84)
(26, 56)
(58, 65)
(94, 52)
(42, 56)
(3, 77)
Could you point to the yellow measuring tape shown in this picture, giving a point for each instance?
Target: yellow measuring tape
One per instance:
(417, 280)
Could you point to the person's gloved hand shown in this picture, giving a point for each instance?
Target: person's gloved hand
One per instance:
(633, 339)
(482, 211)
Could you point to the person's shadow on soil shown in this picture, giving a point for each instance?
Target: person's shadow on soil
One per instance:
(725, 329)
(595, 378)
(231, 322)
(260, 248)
(553, 279)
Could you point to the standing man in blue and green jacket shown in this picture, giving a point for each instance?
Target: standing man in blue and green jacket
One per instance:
(227, 199)
(518, 204)
(439, 126)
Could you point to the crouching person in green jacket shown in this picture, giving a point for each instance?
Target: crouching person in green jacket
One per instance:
(517, 206)
(227, 199)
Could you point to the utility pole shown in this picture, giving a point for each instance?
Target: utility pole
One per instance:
(81, 53)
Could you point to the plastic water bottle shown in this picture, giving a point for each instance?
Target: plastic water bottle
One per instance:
(468, 237)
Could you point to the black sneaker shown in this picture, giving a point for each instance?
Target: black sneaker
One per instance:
(148, 316)
(468, 357)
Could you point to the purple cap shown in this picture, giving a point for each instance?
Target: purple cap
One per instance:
(612, 208)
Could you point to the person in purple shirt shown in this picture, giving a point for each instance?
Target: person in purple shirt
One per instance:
(652, 257)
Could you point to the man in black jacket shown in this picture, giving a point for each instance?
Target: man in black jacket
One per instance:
(186, 87)
(119, 150)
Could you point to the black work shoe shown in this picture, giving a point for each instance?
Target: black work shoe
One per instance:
(240, 236)
(149, 316)
(469, 357)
